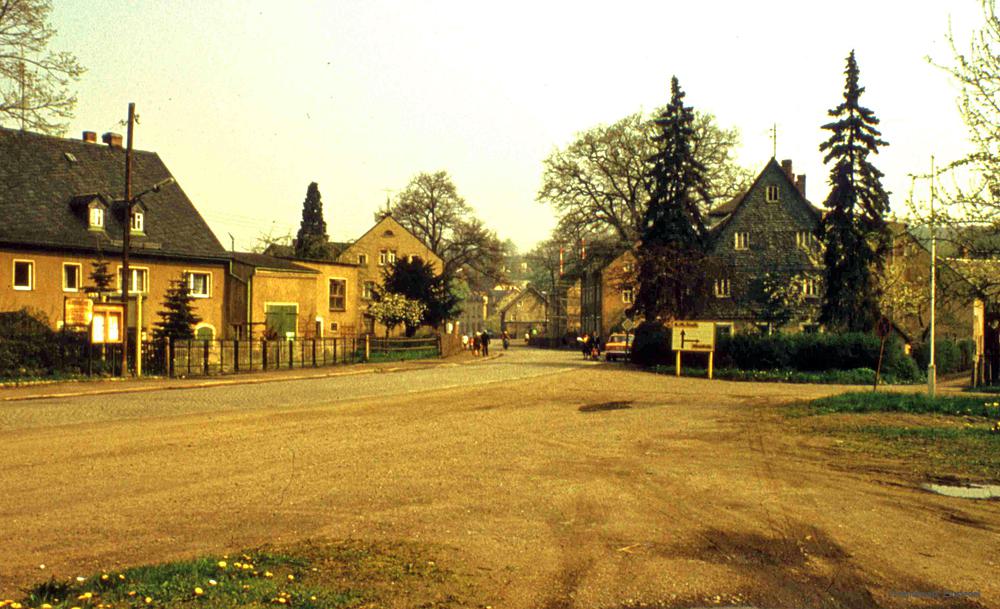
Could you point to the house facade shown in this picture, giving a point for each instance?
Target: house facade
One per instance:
(62, 209)
(607, 291)
(525, 312)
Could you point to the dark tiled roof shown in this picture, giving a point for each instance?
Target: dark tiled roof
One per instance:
(263, 261)
(44, 179)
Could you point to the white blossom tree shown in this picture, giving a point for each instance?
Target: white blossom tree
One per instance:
(392, 310)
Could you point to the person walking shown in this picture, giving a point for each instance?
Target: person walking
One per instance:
(486, 343)
(475, 344)
(506, 340)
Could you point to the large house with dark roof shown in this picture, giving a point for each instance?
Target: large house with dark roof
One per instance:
(62, 209)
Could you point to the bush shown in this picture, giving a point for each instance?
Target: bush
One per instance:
(30, 348)
(651, 345)
(949, 355)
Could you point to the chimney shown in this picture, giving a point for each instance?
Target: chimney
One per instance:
(786, 165)
(800, 183)
(112, 139)
(90, 137)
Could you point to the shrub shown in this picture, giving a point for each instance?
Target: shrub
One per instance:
(28, 347)
(651, 345)
(949, 355)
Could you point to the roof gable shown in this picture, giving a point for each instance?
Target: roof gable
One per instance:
(42, 178)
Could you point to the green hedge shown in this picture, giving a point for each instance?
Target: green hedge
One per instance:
(29, 348)
(949, 355)
(787, 352)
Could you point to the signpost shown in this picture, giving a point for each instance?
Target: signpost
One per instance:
(693, 336)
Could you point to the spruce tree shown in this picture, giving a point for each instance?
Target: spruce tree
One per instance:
(100, 276)
(177, 319)
(853, 229)
(671, 253)
(311, 240)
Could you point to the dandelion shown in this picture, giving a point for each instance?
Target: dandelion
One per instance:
(148, 599)
(121, 576)
(105, 577)
(46, 606)
(291, 577)
(86, 596)
(222, 564)
(268, 574)
(212, 582)
(198, 591)
(81, 579)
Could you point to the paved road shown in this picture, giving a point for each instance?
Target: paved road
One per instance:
(698, 492)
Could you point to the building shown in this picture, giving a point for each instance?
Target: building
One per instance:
(607, 291)
(524, 312)
(62, 206)
(767, 261)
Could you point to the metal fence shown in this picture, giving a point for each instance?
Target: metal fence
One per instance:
(68, 354)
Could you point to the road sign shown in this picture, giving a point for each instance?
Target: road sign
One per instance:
(693, 336)
(627, 324)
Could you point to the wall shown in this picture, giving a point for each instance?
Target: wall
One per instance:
(348, 322)
(282, 287)
(48, 294)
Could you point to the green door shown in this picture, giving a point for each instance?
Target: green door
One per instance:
(281, 320)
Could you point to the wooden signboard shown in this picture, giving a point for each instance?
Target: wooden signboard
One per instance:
(698, 336)
(78, 311)
(106, 325)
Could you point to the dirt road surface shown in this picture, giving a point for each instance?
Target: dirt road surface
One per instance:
(685, 492)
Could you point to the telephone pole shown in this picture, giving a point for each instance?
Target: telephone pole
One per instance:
(931, 367)
(126, 230)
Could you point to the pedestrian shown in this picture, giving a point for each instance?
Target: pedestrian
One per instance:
(595, 351)
(475, 344)
(465, 342)
(506, 340)
(585, 345)
(486, 343)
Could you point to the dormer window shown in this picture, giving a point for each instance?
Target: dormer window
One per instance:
(96, 217)
(138, 221)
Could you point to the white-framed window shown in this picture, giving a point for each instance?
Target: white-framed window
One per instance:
(138, 221)
(392, 256)
(741, 240)
(199, 284)
(138, 282)
(96, 217)
(810, 287)
(722, 288)
(805, 240)
(627, 267)
(24, 275)
(627, 295)
(338, 294)
(368, 290)
(383, 257)
(771, 193)
(362, 259)
(72, 276)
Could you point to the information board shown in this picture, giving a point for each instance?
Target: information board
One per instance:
(693, 336)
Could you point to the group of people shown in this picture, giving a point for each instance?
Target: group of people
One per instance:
(479, 342)
(591, 346)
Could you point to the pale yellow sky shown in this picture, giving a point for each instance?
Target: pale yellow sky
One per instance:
(247, 102)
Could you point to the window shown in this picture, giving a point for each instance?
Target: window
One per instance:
(805, 240)
(199, 284)
(810, 287)
(722, 288)
(338, 294)
(71, 277)
(334, 326)
(24, 275)
(627, 267)
(627, 295)
(138, 282)
(392, 256)
(96, 217)
(204, 332)
(137, 221)
(383, 257)
(363, 259)
(741, 241)
(771, 194)
(723, 330)
(368, 290)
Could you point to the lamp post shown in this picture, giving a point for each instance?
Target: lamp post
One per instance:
(931, 368)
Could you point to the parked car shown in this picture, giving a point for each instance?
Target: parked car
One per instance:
(618, 347)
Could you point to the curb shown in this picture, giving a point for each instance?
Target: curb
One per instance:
(238, 381)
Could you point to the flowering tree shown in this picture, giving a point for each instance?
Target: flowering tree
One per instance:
(783, 297)
(394, 309)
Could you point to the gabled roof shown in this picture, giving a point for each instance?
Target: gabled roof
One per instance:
(512, 299)
(389, 223)
(43, 180)
(727, 210)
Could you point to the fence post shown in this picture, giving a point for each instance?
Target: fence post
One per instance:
(368, 347)
(236, 355)
(324, 351)
(204, 358)
(291, 353)
(263, 353)
(189, 356)
(440, 353)
(170, 355)
(222, 357)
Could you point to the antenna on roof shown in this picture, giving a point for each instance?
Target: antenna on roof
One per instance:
(774, 140)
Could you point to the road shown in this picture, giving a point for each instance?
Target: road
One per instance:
(695, 492)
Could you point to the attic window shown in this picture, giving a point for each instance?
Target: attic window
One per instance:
(70, 157)
(771, 194)
(96, 217)
(388, 233)
(138, 221)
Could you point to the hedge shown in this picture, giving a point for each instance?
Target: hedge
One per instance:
(949, 355)
(799, 352)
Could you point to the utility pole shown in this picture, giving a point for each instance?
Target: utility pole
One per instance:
(127, 229)
(931, 368)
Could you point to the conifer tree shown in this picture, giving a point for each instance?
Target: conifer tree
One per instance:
(177, 319)
(100, 276)
(853, 229)
(671, 253)
(311, 240)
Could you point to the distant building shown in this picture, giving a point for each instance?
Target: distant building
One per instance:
(524, 312)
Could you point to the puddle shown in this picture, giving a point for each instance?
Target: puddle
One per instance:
(620, 405)
(970, 491)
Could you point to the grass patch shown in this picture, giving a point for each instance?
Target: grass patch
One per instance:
(311, 576)
(972, 451)
(399, 356)
(857, 376)
(915, 403)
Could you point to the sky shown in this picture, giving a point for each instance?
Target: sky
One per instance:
(248, 102)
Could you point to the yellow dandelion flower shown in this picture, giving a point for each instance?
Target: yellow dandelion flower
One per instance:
(268, 574)
(148, 599)
(223, 565)
(291, 577)
(46, 606)
(312, 598)
(198, 591)
(85, 596)
(105, 577)
(81, 579)
(121, 576)
(15, 605)
(131, 592)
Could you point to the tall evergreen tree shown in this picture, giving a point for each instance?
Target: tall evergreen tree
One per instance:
(671, 255)
(311, 240)
(100, 276)
(853, 230)
(177, 319)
